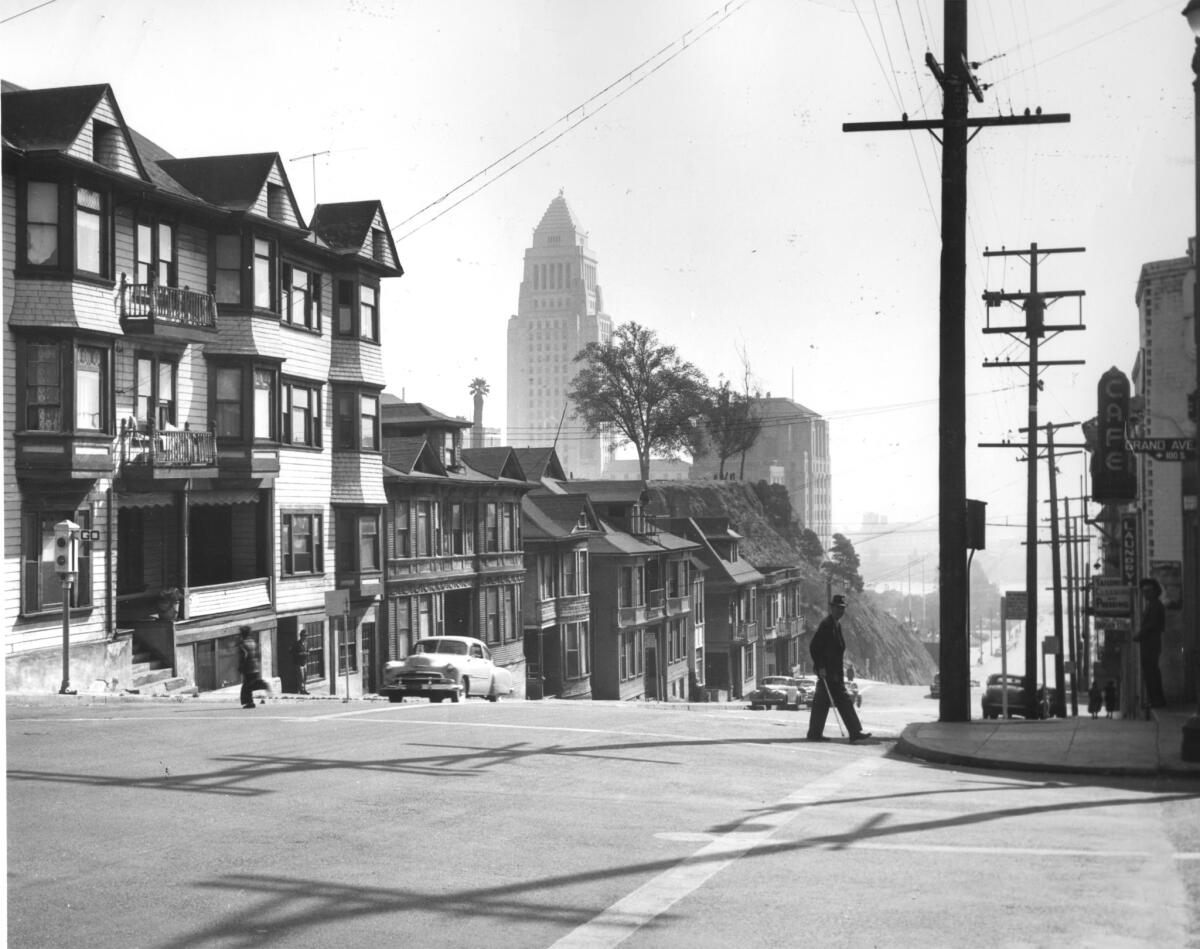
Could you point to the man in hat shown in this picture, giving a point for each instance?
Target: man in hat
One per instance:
(1149, 640)
(828, 651)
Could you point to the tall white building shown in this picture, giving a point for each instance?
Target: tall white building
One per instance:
(560, 310)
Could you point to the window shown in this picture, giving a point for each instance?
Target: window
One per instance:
(41, 587)
(302, 304)
(301, 544)
(492, 527)
(632, 591)
(569, 567)
(90, 389)
(630, 657)
(403, 535)
(154, 397)
(456, 539)
(509, 613)
(576, 642)
(264, 274)
(425, 616)
(41, 223)
(345, 308)
(357, 541)
(377, 245)
(43, 388)
(356, 421)
(314, 638)
(264, 404)
(89, 231)
(228, 258)
(491, 624)
(228, 398)
(368, 542)
(155, 255)
(427, 536)
(545, 576)
(401, 628)
(302, 414)
(368, 313)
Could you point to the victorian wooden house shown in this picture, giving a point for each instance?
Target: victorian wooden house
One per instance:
(643, 633)
(454, 540)
(191, 377)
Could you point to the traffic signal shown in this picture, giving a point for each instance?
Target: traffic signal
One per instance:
(66, 548)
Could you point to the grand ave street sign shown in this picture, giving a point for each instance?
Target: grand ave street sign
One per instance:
(1164, 449)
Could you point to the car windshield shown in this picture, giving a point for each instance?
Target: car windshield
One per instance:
(444, 646)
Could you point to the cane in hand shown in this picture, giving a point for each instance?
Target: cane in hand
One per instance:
(832, 706)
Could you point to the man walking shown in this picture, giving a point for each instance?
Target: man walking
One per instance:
(828, 651)
(1149, 640)
(250, 666)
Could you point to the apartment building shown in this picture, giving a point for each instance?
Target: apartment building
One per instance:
(192, 376)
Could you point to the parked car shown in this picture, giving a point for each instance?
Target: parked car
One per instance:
(935, 687)
(808, 689)
(775, 691)
(440, 666)
(998, 684)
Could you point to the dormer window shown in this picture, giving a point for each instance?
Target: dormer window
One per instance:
(378, 246)
(276, 202)
(106, 143)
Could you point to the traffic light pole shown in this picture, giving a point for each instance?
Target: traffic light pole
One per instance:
(67, 583)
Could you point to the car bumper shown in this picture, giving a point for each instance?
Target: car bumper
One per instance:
(419, 688)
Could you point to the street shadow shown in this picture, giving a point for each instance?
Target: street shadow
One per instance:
(282, 907)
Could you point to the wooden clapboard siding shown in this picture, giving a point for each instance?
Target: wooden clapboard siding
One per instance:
(9, 221)
(10, 597)
(355, 360)
(125, 245)
(191, 264)
(307, 354)
(358, 479)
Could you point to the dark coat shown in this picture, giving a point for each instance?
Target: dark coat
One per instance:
(250, 663)
(828, 649)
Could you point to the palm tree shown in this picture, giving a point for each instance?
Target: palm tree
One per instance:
(479, 388)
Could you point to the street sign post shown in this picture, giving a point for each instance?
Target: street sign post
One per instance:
(338, 602)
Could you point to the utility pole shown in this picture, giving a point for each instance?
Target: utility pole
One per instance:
(956, 77)
(1060, 702)
(1034, 328)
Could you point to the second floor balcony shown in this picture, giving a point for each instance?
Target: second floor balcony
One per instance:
(164, 454)
(174, 312)
(742, 632)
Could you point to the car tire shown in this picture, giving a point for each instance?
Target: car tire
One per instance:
(492, 694)
(437, 699)
(395, 697)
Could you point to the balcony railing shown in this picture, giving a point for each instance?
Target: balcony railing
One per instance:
(173, 448)
(176, 306)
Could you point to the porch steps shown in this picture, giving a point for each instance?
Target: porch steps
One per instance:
(151, 677)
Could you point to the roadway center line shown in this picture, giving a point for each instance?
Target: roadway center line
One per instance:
(654, 897)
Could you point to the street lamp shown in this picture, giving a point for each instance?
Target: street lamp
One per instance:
(1190, 746)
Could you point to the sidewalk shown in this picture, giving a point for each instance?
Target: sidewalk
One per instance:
(1072, 745)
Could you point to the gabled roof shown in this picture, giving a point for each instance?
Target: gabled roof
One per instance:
(498, 462)
(739, 572)
(55, 120)
(630, 492)
(774, 407)
(415, 415)
(540, 463)
(558, 516)
(411, 455)
(347, 228)
(233, 182)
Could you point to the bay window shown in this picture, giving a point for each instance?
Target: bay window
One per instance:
(301, 543)
(65, 387)
(302, 300)
(356, 420)
(42, 232)
(301, 414)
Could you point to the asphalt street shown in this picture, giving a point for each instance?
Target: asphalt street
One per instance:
(536, 824)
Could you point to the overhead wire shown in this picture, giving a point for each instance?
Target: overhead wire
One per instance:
(724, 13)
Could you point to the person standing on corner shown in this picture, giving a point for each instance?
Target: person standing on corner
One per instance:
(250, 666)
(300, 655)
(828, 651)
(1149, 640)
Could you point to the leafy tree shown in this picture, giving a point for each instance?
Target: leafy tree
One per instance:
(730, 425)
(843, 564)
(810, 547)
(777, 507)
(640, 391)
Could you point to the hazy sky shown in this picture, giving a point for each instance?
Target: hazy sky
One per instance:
(725, 205)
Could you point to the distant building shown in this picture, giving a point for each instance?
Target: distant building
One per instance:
(793, 450)
(559, 311)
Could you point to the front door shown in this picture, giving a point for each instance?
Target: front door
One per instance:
(652, 691)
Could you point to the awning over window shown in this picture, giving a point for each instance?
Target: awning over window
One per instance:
(224, 496)
(146, 499)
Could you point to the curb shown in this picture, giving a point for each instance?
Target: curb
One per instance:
(937, 756)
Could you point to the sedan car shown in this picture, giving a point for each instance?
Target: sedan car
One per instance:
(999, 685)
(808, 689)
(440, 666)
(775, 691)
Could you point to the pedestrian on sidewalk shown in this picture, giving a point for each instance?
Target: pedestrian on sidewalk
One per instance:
(1095, 699)
(300, 655)
(828, 651)
(1149, 640)
(250, 666)
(1110, 698)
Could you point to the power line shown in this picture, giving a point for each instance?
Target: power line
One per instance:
(683, 43)
(8, 19)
